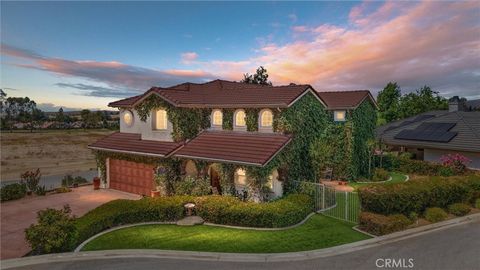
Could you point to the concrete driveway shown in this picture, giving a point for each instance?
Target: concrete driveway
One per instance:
(17, 215)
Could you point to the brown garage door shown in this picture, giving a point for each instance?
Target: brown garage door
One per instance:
(131, 176)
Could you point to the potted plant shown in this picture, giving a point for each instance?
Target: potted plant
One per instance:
(96, 183)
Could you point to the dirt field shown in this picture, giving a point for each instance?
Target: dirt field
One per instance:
(54, 152)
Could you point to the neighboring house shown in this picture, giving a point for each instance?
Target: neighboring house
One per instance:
(433, 134)
(236, 134)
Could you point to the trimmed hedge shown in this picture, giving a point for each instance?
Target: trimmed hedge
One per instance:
(120, 212)
(435, 214)
(412, 166)
(417, 195)
(13, 191)
(230, 211)
(379, 224)
(459, 209)
(216, 209)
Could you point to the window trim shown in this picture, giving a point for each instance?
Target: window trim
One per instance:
(236, 183)
(132, 118)
(155, 126)
(336, 119)
(213, 118)
(235, 124)
(261, 118)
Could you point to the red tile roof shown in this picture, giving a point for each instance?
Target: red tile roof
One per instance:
(345, 99)
(132, 143)
(234, 147)
(125, 102)
(223, 94)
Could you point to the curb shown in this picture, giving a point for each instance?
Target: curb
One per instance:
(239, 257)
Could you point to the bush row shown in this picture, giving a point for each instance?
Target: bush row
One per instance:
(416, 196)
(412, 166)
(13, 191)
(230, 211)
(216, 209)
(120, 212)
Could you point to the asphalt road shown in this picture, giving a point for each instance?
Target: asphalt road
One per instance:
(455, 248)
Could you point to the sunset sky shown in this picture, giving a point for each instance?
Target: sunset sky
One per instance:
(84, 55)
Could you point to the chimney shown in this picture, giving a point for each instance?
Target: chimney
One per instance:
(456, 104)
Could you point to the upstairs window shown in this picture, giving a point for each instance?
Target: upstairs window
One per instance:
(161, 119)
(266, 118)
(217, 118)
(128, 118)
(339, 116)
(240, 118)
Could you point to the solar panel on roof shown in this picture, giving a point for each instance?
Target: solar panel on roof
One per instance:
(434, 132)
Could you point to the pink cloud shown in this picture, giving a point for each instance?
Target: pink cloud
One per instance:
(189, 57)
(412, 43)
(300, 29)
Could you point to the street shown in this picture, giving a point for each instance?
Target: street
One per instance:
(456, 248)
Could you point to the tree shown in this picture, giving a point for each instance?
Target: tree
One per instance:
(260, 77)
(420, 101)
(388, 100)
(85, 114)
(60, 116)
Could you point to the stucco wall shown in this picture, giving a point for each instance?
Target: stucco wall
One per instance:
(145, 128)
(434, 155)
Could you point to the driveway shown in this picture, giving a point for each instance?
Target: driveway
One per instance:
(17, 215)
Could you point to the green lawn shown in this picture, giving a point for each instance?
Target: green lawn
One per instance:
(318, 232)
(396, 178)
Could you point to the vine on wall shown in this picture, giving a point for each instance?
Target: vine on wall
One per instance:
(364, 118)
(186, 122)
(251, 119)
(227, 123)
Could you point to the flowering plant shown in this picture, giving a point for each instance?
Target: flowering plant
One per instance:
(456, 162)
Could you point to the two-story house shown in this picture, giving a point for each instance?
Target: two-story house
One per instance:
(236, 134)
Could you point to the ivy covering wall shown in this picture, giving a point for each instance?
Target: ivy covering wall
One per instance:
(306, 120)
(364, 119)
(186, 122)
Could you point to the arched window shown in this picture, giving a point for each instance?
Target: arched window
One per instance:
(161, 119)
(240, 118)
(266, 118)
(217, 118)
(128, 118)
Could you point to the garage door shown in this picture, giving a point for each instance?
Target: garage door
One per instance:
(131, 176)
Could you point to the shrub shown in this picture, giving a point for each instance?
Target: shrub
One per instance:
(477, 203)
(379, 224)
(68, 180)
(31, 178)
(435, 214)
(446, 171)
(380, 175)
(231, 211)
(41, 191)
(456, 162)
(459, 209)
(13, 191)
(413, 216)
(55, 231)
(417, 195)
(193, 186)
